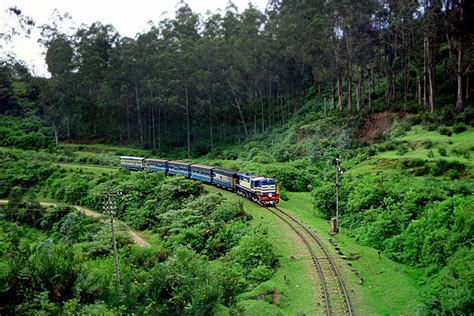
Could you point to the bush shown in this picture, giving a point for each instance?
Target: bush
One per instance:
(402, 149)
(24, 133)
(288, 177)
(442, 151)
(432, 239)
(399, 128)
(443, 130)
(324, 199)
(459, 128)
(255, 255)
(442, 167)
(427, 144)
(455, 284)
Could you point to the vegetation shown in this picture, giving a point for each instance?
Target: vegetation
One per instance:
(417, 210)
(384, 86)
(172, 277)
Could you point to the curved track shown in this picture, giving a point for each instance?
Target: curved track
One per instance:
(334, 293)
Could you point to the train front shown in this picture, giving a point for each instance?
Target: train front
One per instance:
(267, 191)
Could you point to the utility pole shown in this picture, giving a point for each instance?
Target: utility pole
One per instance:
(110, 207)
(336, 163)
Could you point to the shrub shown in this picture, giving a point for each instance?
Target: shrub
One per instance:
(443, 130)
(287, 177)
(255, 255)
(228, 211)
(442, 151)
(429, 126)
(399, 128)
(459, 128)
(402, 149)
(455, 284)
(442, 167)
(324, 199)
(427, 144)
(413, 163)
(371, 151)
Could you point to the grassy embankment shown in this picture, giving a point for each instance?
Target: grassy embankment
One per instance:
(388, 288)
(430, 146)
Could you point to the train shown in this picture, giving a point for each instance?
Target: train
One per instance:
(261, 190)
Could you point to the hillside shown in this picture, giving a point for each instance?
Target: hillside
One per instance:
(384, 86)
(403, 196)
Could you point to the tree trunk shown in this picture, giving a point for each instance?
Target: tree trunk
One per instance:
(153, 128)
(211, 132)
(153, 120)
(333, 96)
(128, 122)
(406, 81)
(371, 86)
(269, 101)
(459, 101)
(425, 61)
(319, 92)
(467, 87)
(339, 94)
(188, 114)
(262, 108)
(56, 136)
(430, 77)
(68, 128)
(239, 108)
(418, 91)
(140, 123)
(431, 99)
(349, 87)
(359, 89)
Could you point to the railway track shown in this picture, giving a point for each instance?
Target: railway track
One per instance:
(334, 294)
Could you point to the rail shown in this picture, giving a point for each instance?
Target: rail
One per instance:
(334, 292)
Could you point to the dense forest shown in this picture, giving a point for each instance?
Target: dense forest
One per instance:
(386, 86)
(196, 81)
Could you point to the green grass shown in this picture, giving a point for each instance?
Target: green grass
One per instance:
(459, 147)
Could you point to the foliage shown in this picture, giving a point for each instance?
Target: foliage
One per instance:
(21, 173)
(254, 255)
(73, 269)
(443, 130)
(459, 128)
(27, 133)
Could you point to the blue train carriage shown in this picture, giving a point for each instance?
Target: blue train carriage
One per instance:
(132, 163)
(201, 172)
(176, 167)
(224, 178)
(156, 165)
(260, 189)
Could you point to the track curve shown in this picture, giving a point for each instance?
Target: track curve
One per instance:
(334, 293)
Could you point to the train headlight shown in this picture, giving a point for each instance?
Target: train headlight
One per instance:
(270, 194)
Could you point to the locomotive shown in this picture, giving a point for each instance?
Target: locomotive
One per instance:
(261, 190)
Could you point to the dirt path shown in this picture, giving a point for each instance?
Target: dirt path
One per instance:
(137, 239)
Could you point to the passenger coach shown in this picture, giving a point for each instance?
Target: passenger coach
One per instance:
(133, 163)
(259, 189)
